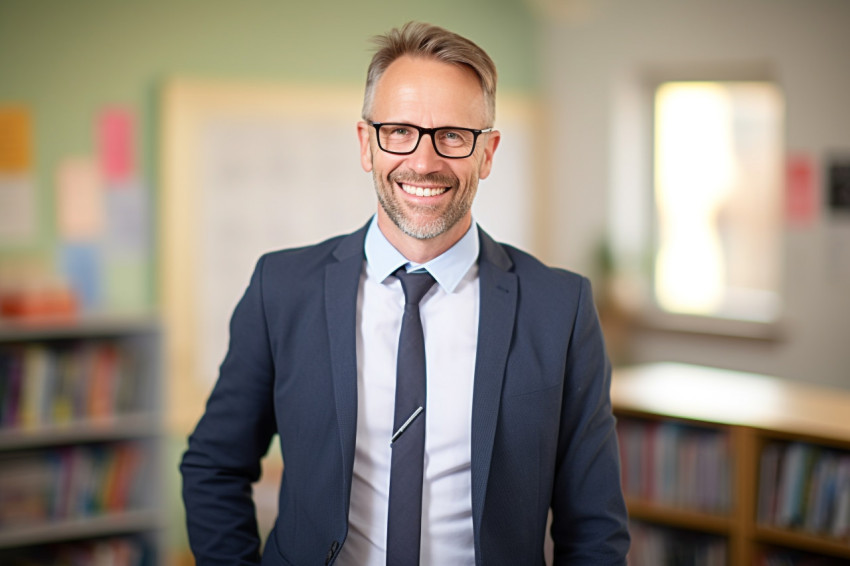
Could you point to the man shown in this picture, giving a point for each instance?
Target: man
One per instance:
(510, 413)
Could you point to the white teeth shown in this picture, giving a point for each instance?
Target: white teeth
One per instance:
(423, 192)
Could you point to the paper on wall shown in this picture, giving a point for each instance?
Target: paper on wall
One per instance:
(17, 210)
(79, 200)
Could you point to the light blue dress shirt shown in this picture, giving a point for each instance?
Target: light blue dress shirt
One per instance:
(450, 324)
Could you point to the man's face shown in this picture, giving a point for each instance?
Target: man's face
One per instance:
(427, 93)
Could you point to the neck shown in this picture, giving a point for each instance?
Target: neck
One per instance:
(421, 251)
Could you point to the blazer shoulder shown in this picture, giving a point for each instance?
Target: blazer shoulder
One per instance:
(302, 262)
(531, 270)
(508, 258)
(300, 258)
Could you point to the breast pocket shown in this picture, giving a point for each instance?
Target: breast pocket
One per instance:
(535, 409)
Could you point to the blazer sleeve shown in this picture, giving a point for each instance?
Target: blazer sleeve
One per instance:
(224, 451)
(589, 518)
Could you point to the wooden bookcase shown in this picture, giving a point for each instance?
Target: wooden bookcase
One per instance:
(743, 413)
(80, 441)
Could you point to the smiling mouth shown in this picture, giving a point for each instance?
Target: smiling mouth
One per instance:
(422, 191)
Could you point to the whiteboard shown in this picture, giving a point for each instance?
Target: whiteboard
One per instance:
(249, 168)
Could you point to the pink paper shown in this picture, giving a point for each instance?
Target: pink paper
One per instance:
(116, 131)
(801, 198)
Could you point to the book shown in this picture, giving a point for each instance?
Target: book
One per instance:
(676, 465)
(768, 482)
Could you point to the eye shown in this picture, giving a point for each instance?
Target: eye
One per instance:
(398, 131)
(454, 138)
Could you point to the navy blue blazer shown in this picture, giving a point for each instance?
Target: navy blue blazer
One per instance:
(542, 430)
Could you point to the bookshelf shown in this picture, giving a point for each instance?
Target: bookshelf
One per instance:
(733, 468)
(80, 441)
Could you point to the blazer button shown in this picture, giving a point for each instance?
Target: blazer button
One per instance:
(331, 551)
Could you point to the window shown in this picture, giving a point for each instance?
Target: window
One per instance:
(717, 179)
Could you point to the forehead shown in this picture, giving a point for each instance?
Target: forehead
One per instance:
(429, 93)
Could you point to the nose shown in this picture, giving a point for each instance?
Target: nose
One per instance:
(425, 159)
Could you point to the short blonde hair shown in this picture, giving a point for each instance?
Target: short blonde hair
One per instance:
(426, 40)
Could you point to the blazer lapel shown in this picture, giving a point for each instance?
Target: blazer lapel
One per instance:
(498, 303)
(342, 280)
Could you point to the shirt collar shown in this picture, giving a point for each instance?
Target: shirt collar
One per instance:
(448, 269)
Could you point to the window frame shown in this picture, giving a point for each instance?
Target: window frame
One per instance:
(632, 275)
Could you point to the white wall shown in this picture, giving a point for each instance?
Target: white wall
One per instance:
(597, 57)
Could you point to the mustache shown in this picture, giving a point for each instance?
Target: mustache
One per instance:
(412, 178)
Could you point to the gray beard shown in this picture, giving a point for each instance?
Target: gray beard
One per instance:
(451, 216)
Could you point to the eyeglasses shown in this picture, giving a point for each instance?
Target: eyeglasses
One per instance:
(449, 142)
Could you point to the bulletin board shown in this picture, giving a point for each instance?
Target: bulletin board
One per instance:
(253, 167)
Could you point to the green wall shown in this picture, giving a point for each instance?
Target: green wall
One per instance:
(68, 59)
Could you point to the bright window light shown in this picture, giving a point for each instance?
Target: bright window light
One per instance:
(718, 199)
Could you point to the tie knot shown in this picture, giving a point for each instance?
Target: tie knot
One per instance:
(415, 285)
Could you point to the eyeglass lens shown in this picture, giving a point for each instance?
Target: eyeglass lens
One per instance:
(450, 142)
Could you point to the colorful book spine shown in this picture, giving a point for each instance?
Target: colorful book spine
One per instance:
(656, 546)
(114, 551)
(806, 488)
(676, 465)
(70, 483)
(47, 385)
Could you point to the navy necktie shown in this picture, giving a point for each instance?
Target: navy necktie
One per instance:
(404, 523)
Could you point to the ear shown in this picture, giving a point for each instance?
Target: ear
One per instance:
(365, 146)
(493, 139)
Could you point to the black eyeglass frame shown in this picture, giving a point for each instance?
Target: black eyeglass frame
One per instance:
(430, 131)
